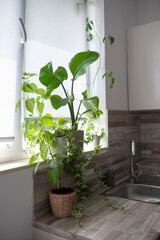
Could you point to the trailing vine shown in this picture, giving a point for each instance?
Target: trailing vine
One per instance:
(77, 163)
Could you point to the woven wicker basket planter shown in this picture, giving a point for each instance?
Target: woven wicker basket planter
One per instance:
(62, 204)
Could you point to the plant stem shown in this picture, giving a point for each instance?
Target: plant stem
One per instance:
(78, 110)
(72, 108)
(70, 105)
(99, 65)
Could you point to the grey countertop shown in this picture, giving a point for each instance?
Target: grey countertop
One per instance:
(139, 221)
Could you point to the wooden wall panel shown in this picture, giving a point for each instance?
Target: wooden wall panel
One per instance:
(150, 134)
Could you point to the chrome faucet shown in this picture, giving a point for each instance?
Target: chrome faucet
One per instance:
(133, 176)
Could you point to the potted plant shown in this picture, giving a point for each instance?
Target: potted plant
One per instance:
(93, 131)
(42, 131)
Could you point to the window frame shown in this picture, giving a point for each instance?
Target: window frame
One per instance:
(12, 148)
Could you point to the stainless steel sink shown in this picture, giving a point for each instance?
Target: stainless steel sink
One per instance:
(138, 192)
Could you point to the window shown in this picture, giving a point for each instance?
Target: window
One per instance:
(57, 37)
(54, 33)
(10, 74)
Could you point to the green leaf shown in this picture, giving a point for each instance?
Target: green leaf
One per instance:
(112, 82)
(89, 37)
(30, 135)
(64, 155)
(18, 102)
(104, 75)
(59, 76)
(40, 107)
(42, 145)
(110, 74)
(40, 91)
(58, 102)
(98, 113)
(46, 74)
(53, 176)
(33, 158)
(29, 87)
(36, 122)
(49, 137)
(26, 87)
(81, 61)
(44, 152)
(104, 39)
(53, 163)
(32, 74)
(85, 95)
(36, 168)
(88, 129)
(27, 123)
(111, 39)
(30, 104)
(61, 121)
(52, 80)
(31, 126)
(37, 99)
(34, 87)
(91, 103)
(41, 135)
(91, 114)
(48, 120)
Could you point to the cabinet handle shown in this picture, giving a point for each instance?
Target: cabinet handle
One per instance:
(24, 33)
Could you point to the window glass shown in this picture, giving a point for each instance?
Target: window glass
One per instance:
(10, 70)
(11, 51)
(56, 32)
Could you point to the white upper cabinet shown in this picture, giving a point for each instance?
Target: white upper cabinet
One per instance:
(143, 49)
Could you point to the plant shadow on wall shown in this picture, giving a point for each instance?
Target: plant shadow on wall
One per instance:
(55, 143)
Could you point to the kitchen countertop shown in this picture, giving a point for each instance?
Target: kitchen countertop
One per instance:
(139, 221)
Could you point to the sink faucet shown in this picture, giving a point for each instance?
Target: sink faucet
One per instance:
(133, 176)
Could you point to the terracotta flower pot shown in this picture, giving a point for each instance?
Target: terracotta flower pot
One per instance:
(62, 204)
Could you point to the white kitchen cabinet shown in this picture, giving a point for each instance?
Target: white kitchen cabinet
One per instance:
(143, 53)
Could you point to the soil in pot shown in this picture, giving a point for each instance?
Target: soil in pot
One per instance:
(62, 190)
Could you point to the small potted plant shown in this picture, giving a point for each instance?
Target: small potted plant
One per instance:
(93, 131)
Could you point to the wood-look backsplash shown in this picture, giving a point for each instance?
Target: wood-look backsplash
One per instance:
(122, 128)
(150, 134)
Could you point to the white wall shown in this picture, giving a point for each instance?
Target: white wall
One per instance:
(120, 14)
(143, 66)
(16, 193)
(147, 11)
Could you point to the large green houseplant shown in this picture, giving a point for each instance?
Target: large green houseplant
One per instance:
(41, 129)
(53, 79)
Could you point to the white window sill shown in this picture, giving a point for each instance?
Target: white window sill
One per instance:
(8, 167)
(13, 166)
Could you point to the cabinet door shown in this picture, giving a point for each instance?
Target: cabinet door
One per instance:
(143, 49)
